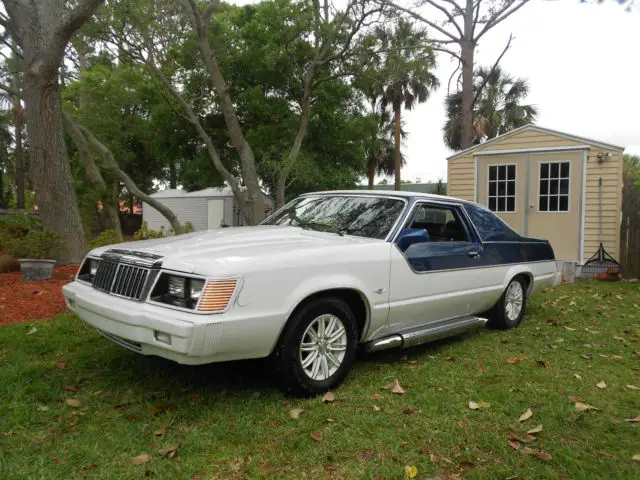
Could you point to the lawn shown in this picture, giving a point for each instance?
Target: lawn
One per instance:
(75, 405)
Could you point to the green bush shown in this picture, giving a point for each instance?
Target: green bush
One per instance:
(15, 228)
(37, 243)
(108, 237)
(145, 233)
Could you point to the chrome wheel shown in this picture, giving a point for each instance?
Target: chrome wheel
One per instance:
(513, 300)
(323, 347)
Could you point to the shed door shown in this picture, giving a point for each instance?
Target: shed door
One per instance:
(215, 213)
(555, 202)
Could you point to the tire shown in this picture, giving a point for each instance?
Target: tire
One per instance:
(503, 314)
(293, 365)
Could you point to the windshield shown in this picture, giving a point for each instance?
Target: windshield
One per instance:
(371, 217)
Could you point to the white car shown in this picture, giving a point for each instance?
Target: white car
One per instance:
(325, 274)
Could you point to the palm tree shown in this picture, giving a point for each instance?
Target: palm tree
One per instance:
(407, 65)
(379, 146)
(497, 108)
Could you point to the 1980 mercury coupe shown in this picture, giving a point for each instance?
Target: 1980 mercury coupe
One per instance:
(324, 274)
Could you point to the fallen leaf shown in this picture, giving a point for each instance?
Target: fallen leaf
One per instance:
(478, 405)
(32, 331)
(515, 437)
(570, 329)
(633, 420)
(376, 408)
(71, 388)
(575, 399)
(331, 420)
(317, 436)
(619, 297)
(526, 415)
(539, 454)
(616, 357)
(295, 412)
(591, 331)
(161, 431)
(377, 396)
(410, 471)
(620, 339)
(72, 402)
(583, 407)
(329, 397)
(587, 356)
(43, 408)
(536, 429)
(604, 356)
(632, 387)
(514, 444)
(168, 452)
(577, 376)
(329, 468)
(601, 384)
(513, 360)
(540, 363)
(636, 457)
(396, 388)
(60, 365)
(140, 459)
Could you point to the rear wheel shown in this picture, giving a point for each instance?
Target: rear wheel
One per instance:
(317, 348)
(511, 307)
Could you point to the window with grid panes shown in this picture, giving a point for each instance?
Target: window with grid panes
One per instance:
(502, 188)
(554, 187)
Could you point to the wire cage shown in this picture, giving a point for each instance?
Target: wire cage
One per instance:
(600, 262)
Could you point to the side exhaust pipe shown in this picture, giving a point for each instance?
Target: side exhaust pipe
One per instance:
(426, 333)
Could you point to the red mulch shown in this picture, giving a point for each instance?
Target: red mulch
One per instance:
(20, 301)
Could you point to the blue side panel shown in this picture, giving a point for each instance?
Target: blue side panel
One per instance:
(516, 252)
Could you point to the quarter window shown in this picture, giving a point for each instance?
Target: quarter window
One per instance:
(554, 187)
(502, 188)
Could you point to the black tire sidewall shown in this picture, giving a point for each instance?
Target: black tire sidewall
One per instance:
(498, 314)
(292, 375)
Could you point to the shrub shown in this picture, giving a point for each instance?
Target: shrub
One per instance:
(38, 243)
(14, 228)
(108, 237)
(145, 233)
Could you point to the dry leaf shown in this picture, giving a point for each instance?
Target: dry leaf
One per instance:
(591, 331)
(539, 454)
(43, 408)
(331, 420)
(140, 459)
(514, 444)
(633, 420)
(317, 436)
(620, 339)
(601, 384)
(587, 356)
(60, 365)
(570, 329)
(516, 438)
(577, 376)
(526, 415)
(32, 331)
(72, 402)
(295, 412)
(161, 431)
(376, 408)
(632, 387)
(329, 397)
(540, 363)
(636, 457)
(410, 471)
(583, 407)
(396, 388)
(478, 405)
(513, 360)
(168, 452)
(377, 396)
(575, 399)
(536, 429)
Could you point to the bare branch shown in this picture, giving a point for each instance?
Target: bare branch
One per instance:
(493, 68)
(451, 77)
(74, 19)
(505, 12)
(417, 16)
(448, 14)
(446, 50)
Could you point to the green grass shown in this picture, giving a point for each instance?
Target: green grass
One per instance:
(229, 421)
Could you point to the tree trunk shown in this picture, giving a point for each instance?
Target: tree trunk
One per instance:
(397, 158)
(467, 47)
(50, 168)
(372, 176)
(19, 156)
(173, 175)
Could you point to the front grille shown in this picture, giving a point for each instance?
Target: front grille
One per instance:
(120, 279)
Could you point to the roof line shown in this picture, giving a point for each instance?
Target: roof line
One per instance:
(532, 126)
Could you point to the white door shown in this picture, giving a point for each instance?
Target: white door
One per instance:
(215, 211)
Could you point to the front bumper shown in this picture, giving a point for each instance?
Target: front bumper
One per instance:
(194, 339)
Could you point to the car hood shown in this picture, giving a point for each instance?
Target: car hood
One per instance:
(195, 251)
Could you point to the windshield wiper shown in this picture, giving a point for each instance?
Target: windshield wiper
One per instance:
(324, 226)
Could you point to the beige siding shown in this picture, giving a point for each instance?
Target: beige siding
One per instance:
(460, 178)
(611, 173)
(529, 139)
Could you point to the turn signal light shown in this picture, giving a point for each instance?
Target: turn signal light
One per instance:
(216, 295)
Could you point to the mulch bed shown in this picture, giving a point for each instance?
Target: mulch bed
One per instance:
(20, 301)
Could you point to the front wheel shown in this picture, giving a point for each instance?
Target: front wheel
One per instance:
(511, 307)
(317, 348)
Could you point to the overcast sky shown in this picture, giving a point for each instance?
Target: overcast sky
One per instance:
(583, 67)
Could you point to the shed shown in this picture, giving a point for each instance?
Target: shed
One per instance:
(204, 209)
(547, 184)
(427, 187)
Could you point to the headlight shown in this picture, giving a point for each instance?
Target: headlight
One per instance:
(179, 291)
(88, 269)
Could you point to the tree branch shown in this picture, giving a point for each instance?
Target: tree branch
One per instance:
(447, 14)
(446, 50)
(495, 65)
(74, 19)
(417, 16)
(501, 15)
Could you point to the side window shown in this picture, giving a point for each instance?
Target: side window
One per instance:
(489, 226)
(554, 187)
(501, 193)
(443, 224)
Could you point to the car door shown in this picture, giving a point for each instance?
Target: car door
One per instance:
(439, 278)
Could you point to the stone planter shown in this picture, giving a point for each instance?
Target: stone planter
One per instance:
(36, 269)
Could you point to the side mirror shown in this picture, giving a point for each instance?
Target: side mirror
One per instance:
(409, 236)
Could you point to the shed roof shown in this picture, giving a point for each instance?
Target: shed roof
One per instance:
(536, 128)
(427, 187)
(206, 192)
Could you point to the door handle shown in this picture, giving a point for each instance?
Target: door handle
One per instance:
(473, 254)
